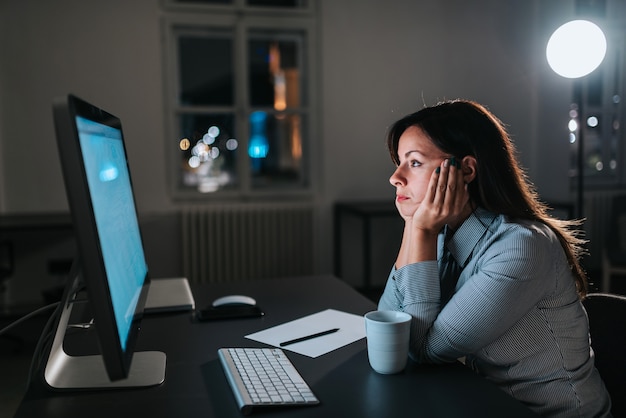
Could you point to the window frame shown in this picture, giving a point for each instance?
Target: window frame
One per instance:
(241, 25)
(307, 9)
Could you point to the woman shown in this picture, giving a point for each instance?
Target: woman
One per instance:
(513, 308)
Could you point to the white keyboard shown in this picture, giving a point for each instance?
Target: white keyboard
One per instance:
(264, 377)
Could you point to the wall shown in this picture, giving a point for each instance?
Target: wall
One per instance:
(106, 52)
(378, 61)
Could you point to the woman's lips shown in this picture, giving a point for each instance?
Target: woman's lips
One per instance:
(401, 198)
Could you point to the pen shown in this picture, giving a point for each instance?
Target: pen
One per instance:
(309, 337)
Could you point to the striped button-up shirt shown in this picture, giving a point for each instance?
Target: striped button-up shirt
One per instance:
(515, 315)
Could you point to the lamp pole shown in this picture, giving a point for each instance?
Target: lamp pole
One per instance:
(575, 50)
(580, 149)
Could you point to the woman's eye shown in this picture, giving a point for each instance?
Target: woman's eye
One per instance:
(414, 163)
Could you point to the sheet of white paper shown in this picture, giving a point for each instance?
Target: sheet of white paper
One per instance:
(351, 329)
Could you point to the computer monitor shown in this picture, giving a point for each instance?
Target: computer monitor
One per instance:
(110, 263)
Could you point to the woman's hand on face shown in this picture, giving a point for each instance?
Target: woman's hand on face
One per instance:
(446, 200)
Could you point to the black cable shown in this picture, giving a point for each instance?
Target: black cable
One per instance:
(50, 329)
(38, 353)
(35, 359)
(28, 316)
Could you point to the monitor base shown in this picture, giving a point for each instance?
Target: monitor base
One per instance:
(88, 372)
(66, 372)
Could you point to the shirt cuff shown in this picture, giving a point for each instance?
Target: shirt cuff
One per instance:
(419, 282)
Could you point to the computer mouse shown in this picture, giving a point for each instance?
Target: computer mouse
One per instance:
(234, 300)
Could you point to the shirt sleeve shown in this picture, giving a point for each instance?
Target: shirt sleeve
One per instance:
(393, 296)
(507, 281)
(390, 299)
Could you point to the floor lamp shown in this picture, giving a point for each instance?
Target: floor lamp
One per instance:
(575, 50)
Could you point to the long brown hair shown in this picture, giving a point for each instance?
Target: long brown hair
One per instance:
(462, 128)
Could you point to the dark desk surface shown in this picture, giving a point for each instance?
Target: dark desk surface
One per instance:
(195, 385)
(35, 221)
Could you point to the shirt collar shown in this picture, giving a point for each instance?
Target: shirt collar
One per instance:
(465, 238)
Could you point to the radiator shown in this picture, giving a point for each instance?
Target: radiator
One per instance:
(240, 242)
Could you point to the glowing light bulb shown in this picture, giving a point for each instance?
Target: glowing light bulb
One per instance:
(576, 49)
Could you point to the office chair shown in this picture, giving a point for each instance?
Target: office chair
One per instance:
(607, 325)
(614, 251)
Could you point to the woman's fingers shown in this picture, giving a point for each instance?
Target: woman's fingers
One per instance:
(445, 199)
(448, 193)
(456, 192)
(438, 185)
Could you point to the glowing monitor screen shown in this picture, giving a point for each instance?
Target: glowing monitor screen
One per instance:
(114, 211)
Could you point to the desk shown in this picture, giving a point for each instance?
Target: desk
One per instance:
(195, 385)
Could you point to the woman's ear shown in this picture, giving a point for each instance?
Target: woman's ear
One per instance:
(469, 165)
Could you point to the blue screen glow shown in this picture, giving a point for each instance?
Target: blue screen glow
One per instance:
(116, 218)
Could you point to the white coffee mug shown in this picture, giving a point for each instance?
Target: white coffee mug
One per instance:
(388, 335)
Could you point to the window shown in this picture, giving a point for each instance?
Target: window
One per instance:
(240, 102)
(597, 112)
(599, 119)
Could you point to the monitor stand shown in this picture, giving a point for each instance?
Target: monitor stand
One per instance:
(88, 372)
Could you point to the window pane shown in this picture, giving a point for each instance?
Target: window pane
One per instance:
(206, 69)
(209, 152)
(275, 150)
(275, 70)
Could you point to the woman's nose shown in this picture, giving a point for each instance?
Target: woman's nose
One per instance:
(396, 179)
